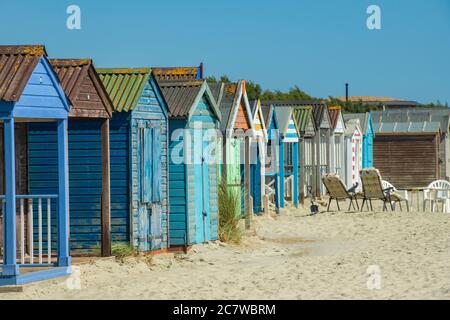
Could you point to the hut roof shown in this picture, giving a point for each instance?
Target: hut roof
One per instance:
(303, 117)
(351, 126)
(124, 86)
(182, 95)
(362, 117)
(411, 121)
(73, 75)
(335, 113)
(17, 63)
(229, 97)
(177, 73)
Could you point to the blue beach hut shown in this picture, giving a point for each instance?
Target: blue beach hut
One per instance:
(139, 166)
(34, 227)
(89, 169)
(283, 150)
(193, 163)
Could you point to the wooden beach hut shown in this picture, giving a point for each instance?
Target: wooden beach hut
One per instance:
(258, 158)
(365, 120)
(337, 149)
(237, 132)
(35, 227)
(194, 122)
(89, 169)
(353, 152)
(283, 142)
(305, 122)
(139, 152)
(411, 147)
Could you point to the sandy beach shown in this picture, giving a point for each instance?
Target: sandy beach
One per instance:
(289, 256)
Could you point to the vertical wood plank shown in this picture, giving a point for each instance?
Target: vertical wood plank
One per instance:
(30, 230)
(49, 230)
(295, 173)
(22, 232)
(10, 266)
(106, 190)
(64, 259)
(248, 201)
(40, 230)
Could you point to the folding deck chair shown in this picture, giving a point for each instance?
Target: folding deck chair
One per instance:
(337, 191)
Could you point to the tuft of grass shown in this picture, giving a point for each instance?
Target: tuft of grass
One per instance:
(229, 202)
(122, 250)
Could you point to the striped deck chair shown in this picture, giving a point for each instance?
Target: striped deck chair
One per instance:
(337, 191)
(372, 184)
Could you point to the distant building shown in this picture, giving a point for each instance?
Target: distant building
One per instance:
(382, 103)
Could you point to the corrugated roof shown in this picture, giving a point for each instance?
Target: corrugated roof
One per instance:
(180, 96)
(302, 116)
(411, 121)
(124, 86)
(177, 73)
(72, 73)
(17, 63)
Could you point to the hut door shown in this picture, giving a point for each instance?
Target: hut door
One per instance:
(149, 206)
(201, 176)
(234, 169)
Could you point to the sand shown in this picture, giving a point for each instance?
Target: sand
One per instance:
(289, 256)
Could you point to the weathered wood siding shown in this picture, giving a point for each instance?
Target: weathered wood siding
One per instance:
(149, 221)
(407, 161)
(89, 102)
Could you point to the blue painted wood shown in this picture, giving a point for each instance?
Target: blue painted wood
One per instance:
(193, 184)
(281, 175)
(64, 259)
(156, 172)
(43, 97)
(368, 138)
(10, 267)
(295, 172)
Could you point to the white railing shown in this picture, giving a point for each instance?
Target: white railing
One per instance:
(28, 237)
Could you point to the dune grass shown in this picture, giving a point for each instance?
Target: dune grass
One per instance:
(229, 202)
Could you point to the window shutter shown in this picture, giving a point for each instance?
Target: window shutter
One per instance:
(157, 174)
(146, 164)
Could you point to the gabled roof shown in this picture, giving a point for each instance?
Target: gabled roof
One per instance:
(363, 118)
(183, 96)
(178, 73)
(258, 119)
(352, 126)
(266, 110)
(286, 122)
(229, 98)
(304, 119)
(72, 74)
(17, 63)
(124, 86)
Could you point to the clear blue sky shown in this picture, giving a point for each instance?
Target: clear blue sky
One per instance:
(316, 44)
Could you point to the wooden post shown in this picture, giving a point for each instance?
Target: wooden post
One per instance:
(301, 180)
(248, 205)
(106, 191)
(266, 205)
(295, 173)
(64, 259)
(281, 173)
(10, 267)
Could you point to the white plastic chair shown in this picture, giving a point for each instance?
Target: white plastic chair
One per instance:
(402, 193)
(434, 197)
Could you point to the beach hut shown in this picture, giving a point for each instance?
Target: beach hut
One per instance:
(89, 169)
(35, 227)
(337, 150)
(283, 149)
(365, 120)
(139, 166)
(411, 147)
(237, 131)
(353, 152)
(305, 122)
(258, 158)
(194, 120)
